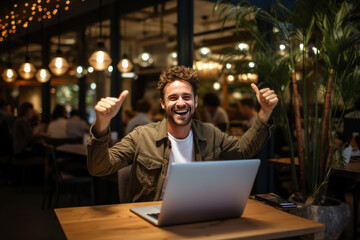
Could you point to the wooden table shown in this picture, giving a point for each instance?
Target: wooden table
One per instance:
(259, 221)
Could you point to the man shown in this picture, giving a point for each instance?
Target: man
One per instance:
(143, 108)
(247, 109)
(75, 126)
(214, 113)
(152, 148)
(26, 139)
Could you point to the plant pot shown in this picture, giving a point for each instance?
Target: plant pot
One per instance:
(335, 215)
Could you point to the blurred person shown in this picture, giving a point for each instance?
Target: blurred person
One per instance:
(26, 139)
(154, 147)
(143, 108)
(247, 109)
(58, 123)
(214, 113)
(75, 126)
(5, 113)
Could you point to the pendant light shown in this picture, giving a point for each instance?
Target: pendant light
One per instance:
(125, 64)
(100, 60)
(58, 65)
(9, 74)
(43, 75)
(27, 70)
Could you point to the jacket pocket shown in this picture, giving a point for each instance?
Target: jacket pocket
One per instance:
(148, 171)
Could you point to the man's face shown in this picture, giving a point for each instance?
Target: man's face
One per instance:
(179, 102)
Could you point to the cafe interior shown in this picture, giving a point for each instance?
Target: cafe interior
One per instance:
(74, 52)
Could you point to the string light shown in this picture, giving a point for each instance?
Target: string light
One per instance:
(24, 13)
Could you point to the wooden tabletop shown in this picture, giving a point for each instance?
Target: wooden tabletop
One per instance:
(259, 221)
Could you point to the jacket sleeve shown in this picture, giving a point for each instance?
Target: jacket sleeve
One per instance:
(102, 160)
(249, 144)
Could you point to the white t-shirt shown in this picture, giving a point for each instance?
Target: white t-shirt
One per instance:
(182, 151)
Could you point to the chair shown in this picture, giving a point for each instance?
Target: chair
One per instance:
(57, 178)
(123, 177)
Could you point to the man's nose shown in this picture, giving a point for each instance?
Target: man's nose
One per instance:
(181, 101)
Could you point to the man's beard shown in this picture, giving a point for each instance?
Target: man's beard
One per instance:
(172, 119)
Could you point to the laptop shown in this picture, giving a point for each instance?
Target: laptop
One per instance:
(203, 191)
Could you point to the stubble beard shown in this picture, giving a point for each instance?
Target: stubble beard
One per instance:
(179, 122)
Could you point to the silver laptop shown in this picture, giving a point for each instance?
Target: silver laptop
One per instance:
(203, 191)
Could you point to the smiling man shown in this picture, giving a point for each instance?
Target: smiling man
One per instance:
(152, 148)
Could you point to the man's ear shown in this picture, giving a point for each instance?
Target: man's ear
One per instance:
(196, 101)
(162, 103)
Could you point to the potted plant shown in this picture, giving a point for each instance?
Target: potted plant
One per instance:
(319, 67)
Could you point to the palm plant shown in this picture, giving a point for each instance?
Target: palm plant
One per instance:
(332, 72)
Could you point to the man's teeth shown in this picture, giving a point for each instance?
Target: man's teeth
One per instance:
(181, 112)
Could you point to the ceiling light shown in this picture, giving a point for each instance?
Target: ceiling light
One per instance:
(228, 66)
(204, 52)
(90, 69)
(243, 46)
(216, 86)
(27, 70)
(80, 71)
(100, 60)
(58, 65)
(9, 75)
(172, 59)
(145, 59)
(251, 64)
(43, 75)
(125, 65)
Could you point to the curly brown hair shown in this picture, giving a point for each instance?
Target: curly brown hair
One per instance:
(181, 73)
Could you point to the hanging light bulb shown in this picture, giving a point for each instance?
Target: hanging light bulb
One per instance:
(172, 59)
(204, 53)
(9, 75)
(43, 75)
(27, 70)
(80, 71)
(145, 59)
(100, 60)
(58, 65)
(125, 65)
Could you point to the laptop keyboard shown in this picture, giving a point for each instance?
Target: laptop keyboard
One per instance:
(154, 215)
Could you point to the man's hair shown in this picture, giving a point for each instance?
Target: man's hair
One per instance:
(59, 111)
(24, 108)
(248, 101)
(181, 73)
(74, 112)
(143, 105)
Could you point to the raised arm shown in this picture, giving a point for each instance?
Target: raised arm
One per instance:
(105, 110)
(267, 100)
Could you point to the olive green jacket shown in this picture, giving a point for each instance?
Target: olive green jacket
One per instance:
(147, 148)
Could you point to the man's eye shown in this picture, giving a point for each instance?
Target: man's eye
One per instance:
(172, 98)
(187, 97)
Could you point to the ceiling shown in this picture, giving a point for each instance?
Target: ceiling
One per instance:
(142, 24)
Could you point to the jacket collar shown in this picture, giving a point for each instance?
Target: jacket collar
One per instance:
(195, 126)
(162, 133)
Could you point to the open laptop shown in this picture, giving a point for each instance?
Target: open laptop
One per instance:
(203, 191)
